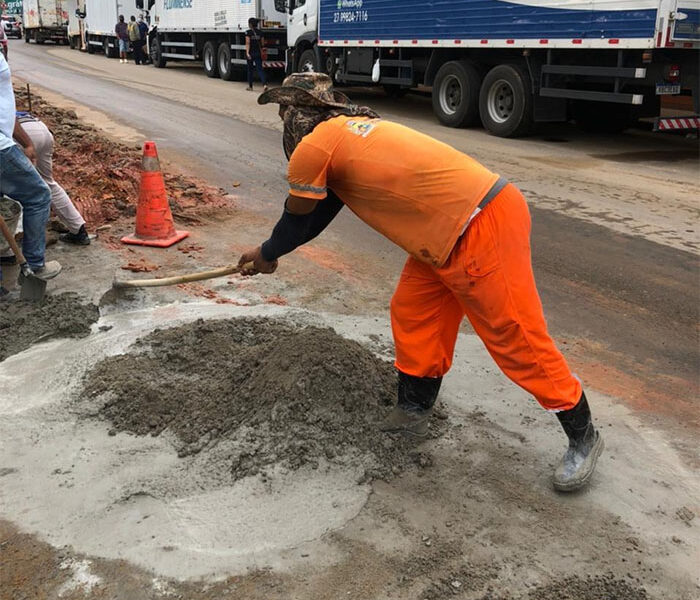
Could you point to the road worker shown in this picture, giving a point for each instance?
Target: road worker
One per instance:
(467, 233)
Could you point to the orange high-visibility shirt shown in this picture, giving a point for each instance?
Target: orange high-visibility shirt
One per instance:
(413, 189)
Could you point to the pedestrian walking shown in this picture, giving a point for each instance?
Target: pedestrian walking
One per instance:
(467, 233)
(43, 142)
(122, 31)
(20, 181)
(254, 44)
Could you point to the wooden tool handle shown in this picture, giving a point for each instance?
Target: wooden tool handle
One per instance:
(135, 283)
(9, 236)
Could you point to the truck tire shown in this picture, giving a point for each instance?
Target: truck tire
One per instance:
(210, 59)
(224, 62)
(157, 54)
(307, 62)
(89, 47)
(597, 117)
(71, 42)
(505, 101)
(106, 49)
(456, 93)
(27, 35)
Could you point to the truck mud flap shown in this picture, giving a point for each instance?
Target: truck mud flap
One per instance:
(677, 123)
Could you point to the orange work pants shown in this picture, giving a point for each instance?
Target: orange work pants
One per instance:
(488, 277)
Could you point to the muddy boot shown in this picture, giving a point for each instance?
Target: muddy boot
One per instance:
(415, 406)
(585, 445)
(81, 238)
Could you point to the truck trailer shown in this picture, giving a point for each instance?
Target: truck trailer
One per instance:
(213, 31)
(76, 18)
(101, 17)
(510, 64)
(44, 20)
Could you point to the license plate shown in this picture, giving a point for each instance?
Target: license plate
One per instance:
(664, 89)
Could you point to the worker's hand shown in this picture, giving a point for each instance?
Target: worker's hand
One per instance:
(30, 152)
(247, 56)
(260, 265)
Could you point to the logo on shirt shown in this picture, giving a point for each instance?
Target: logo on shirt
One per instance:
(361, 128)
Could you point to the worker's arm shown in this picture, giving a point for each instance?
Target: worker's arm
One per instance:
(25, 141)
(247, 47)
(302, 220)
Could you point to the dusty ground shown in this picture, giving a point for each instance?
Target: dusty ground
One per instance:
(93, 515)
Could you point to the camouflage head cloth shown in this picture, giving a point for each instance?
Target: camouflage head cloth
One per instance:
(306, 89)
(310, 99)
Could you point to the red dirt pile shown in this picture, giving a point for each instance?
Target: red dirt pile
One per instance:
(102, 176)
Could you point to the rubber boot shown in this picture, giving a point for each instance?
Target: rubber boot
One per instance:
(412, 413)
(585, 445)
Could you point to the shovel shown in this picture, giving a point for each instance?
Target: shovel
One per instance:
(32, 288)
(177, 279)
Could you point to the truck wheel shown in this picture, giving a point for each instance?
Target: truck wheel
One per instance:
(210, 60)
(456, 94)
(106, 49)
(505, 101)
(37, 37)
(157, 54)
(224, 61)
(27, 35)
(596, 117)
(90, 48)
(71, 42)
(307, 62)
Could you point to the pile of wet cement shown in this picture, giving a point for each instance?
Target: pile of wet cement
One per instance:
(25, 323)
(278, 394)
(597, 587)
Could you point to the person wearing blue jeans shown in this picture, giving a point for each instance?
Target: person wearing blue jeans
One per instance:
(20, 181)
(253, 53)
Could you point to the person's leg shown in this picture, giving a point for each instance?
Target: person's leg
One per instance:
(249, 69)
(20, 181)
(261, 71)
(60, 201)
(425, 319)
(496, 286)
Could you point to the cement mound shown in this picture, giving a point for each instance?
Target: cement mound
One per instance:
(598, 587)
(278, 394)
(25, 323)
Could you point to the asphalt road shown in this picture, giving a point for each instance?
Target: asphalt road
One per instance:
(615, 218)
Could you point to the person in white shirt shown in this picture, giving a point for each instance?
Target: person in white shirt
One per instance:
(20, 180)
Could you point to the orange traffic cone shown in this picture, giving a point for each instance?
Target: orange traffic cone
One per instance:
(154, 221)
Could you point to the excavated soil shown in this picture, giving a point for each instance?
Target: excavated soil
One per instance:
(102, 176)
(25, 323)
(285, 396)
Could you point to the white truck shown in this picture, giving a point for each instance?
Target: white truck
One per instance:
(101, 17)
(510, 63)
(44, 20)
(213, 31)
